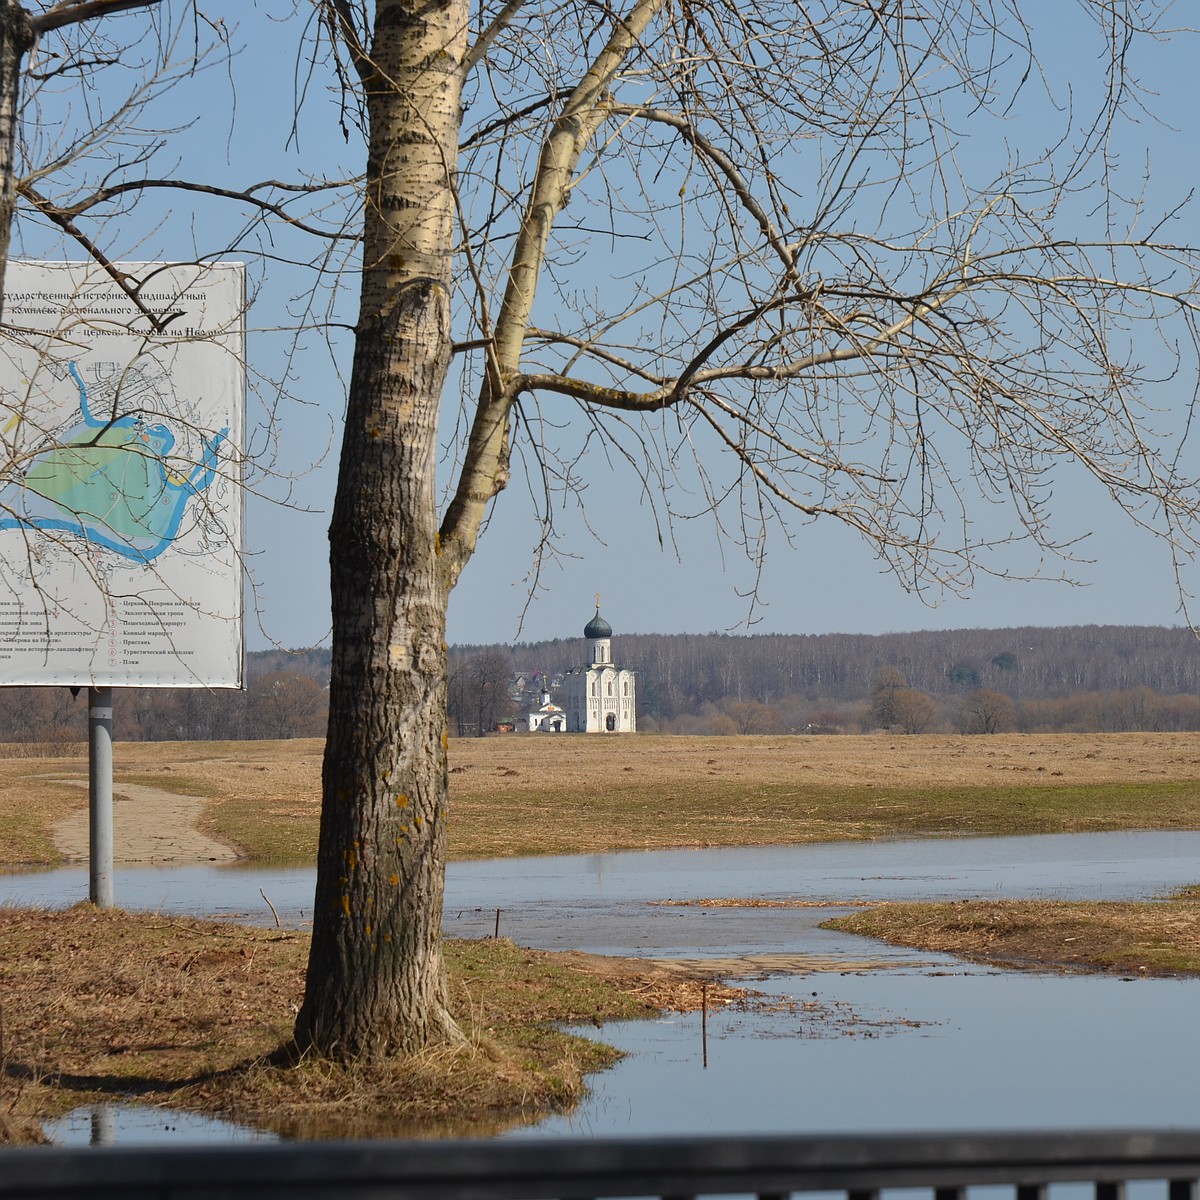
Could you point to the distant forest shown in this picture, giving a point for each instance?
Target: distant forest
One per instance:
(1069, 678)
(286, 696)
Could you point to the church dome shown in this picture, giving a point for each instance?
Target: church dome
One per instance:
(597, 627)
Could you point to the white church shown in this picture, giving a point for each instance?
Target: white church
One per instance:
(599, 698)
(547, 719)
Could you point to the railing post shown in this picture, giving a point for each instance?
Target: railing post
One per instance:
(856, 1167)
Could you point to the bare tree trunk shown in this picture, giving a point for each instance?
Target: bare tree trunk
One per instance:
(375, 981)
(16, 38)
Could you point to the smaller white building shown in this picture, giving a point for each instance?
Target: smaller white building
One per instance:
(547, 719)
(599, 697)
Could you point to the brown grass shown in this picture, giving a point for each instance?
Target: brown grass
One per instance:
(1161, 938)
(541, 794)
(262, 796)
(536, 794)
(105, 1005)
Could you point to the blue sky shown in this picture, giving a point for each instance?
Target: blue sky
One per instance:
(826, 580)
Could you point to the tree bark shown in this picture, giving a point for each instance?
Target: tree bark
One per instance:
(16, 38)
(376, 982)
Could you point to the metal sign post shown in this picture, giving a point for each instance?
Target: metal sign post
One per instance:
(122, 418)
(100, 797)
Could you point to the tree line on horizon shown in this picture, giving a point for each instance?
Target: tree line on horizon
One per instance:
(286, 695)
(1099, 679)
(1063, 678)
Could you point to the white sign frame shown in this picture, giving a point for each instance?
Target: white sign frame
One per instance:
(121, 452)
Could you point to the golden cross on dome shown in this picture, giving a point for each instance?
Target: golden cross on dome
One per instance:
(597, 601)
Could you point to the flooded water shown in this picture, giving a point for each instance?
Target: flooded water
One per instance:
(929, 1044)
(922, 1051)
(145, 1125)
(585, 901)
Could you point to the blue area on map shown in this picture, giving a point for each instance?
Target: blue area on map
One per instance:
(108, 481)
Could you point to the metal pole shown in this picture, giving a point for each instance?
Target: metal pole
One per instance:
(100, 796)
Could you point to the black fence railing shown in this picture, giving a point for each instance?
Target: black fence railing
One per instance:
(856, 1167)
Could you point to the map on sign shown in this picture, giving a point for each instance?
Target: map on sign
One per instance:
(120, 486)
(111, 481)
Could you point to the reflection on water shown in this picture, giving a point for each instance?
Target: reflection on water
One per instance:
(232, 893)
(981, 1049)
(138, 1124)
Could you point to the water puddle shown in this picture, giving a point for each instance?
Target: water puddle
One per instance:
(142, 1125)
(907, 1051)
(930, 1044)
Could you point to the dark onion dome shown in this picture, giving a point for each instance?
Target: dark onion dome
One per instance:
(597, 627)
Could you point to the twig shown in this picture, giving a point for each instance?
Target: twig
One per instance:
(278, 923)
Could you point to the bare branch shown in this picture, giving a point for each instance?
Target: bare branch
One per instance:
(247, 196)
(119, 277)
(339, 17)
(483, 42)
(731, 176)
(485, 464)
(75, 12)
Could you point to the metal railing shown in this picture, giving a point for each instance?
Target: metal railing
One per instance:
(673, 1168)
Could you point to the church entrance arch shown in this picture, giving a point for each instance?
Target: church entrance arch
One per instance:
(610, 722)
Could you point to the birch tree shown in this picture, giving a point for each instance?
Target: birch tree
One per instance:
(745, 251)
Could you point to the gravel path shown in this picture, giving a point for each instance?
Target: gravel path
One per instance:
(150, 827)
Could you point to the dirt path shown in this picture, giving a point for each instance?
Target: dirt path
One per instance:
(150, 827)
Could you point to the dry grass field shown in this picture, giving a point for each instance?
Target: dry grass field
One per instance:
(559, 795)
(1160, 938)
(183, 1013)
(541, 794)
(115, 1007)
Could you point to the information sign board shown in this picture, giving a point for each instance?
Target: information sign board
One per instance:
(120, 475)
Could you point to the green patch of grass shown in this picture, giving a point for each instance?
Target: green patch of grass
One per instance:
(26, 831)
(531, 820)
(627, 815)
(1155, 938)
(500, 985)
(525, 796)
(177, 782)
(268, 832)
(26, 841)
